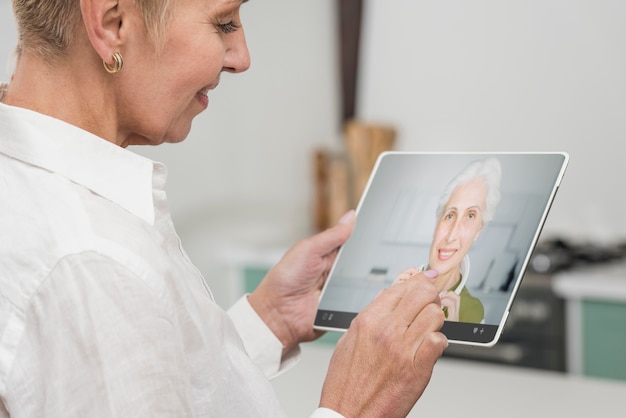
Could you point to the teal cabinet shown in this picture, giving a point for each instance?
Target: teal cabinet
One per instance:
(604, 339)
(596, 319)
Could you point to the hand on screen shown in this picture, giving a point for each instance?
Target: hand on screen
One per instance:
(450, 303)
(383, 363)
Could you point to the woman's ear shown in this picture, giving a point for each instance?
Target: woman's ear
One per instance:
(103, 21)
(479, 231)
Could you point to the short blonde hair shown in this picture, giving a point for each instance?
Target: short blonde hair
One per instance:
(48, 26)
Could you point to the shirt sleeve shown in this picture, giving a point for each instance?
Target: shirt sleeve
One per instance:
(326, 413)
(263, 347)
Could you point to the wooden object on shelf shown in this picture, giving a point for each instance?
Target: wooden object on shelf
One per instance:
(331, 184)
(339, 190)
(364, 143)
(341, 176)
(320, 184)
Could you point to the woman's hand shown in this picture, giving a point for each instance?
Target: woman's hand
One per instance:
(451, 304)
(450, 301)
(383, 363)
(288, 296)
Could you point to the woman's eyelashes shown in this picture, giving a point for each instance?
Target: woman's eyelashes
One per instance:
(229, 27)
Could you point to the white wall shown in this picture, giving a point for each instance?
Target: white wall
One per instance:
(492, 75)
(8, 37)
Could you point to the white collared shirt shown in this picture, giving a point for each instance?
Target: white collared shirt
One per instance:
(101, 311)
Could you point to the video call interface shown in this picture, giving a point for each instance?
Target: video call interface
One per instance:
(473, 217)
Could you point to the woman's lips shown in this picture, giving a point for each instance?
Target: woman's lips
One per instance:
(203, 94)
(445, 254)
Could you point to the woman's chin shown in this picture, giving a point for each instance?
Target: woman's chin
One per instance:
(179, 134)
(173, 136)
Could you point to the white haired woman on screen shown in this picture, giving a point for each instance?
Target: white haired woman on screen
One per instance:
(467, 205)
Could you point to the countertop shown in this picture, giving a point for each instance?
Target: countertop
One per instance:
(599, 282)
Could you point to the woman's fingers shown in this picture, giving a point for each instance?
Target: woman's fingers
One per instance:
(383, 363)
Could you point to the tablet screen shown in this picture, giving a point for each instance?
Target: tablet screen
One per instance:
(473, 217)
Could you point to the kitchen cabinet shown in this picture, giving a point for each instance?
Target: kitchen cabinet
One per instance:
(604, 338)
(596, 319)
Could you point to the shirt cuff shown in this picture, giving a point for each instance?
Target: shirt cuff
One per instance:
(262, 346)
(326, 413)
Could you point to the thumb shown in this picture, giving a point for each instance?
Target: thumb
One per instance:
(348, 218)
(337, 235)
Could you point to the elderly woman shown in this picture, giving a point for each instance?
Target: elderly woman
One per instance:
(101, 311)
(466, 206)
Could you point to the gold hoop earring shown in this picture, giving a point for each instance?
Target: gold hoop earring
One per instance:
(118, 62)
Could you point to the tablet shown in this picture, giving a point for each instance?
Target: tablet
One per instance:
(473, 217)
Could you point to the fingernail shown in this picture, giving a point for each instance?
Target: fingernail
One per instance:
(347, 217)
(431, 273)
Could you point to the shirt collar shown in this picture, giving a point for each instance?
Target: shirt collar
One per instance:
(106, 169)
(464, 268)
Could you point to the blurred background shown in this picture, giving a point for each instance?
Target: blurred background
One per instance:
(273, 158)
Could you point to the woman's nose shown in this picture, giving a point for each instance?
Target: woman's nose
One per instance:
(453, 232)
(237, 57)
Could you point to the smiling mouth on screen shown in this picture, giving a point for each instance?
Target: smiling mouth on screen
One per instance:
(445, 254)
